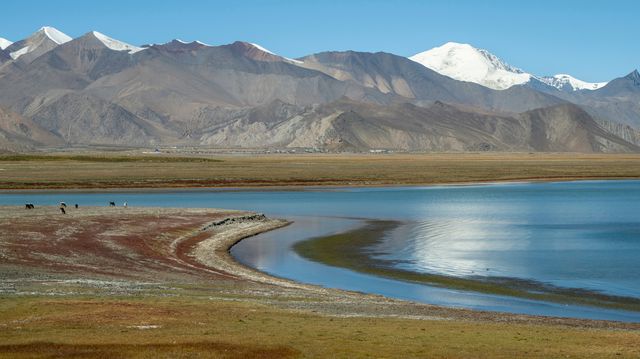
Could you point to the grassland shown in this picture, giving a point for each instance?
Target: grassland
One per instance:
(200, 327)
(109, 170)
(105, 289)
(102, 159)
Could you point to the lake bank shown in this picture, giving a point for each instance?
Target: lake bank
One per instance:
(152, 291)
(465, 213)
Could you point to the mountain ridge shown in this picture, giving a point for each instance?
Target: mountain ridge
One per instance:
(96, 90)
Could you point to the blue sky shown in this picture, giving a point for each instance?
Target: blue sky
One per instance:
(592, 40)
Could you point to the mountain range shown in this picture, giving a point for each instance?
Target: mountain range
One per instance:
(56, 91)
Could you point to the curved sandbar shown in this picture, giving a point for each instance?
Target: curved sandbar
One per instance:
(214, 252)
(128, 251)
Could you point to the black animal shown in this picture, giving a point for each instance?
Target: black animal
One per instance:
(62, 204)
(112, 204)
(62, 210)
(29, 206)
(76, 205)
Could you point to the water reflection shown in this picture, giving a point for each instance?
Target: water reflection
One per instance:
(574, 234)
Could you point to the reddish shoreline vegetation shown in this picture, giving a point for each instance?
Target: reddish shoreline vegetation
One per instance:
(139, 281)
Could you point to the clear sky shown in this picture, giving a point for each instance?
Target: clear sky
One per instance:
(592, 40)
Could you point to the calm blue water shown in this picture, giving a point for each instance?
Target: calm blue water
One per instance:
(572, 234)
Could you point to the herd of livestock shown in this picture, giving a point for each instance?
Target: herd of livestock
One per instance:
(63, 206)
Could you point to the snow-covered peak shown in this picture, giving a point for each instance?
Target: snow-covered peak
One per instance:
(116, 45)
(38, 43)
(4, 43)
(274, 54)
(55, 35)
(566, 82)
(466, 63)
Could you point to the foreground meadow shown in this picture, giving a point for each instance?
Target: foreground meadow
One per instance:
(105, 282)
(160, 283)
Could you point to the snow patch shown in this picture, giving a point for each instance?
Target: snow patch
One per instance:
(192, 42)
(116, 45)
(568, 82)
(14, 55)
(4, 43)
(466, 63)
(274, 54)
(37, 39)
(263, 49)
(55, 35)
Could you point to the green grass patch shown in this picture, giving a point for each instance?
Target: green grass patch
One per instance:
(45, 327)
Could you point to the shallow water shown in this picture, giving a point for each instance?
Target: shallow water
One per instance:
(572, 234)
(271, 252)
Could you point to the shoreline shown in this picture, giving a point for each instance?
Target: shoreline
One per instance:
(302, 188)
(215, 252)
(197, 249)
(121, 282)
(347, 250)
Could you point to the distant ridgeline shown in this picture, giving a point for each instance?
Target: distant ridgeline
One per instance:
(56, 91)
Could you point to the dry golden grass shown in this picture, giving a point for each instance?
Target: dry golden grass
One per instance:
(197, 327)
(311, 169)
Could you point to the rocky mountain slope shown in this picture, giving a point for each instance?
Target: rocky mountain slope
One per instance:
(355, 126)
(19, 133)
(96, 90)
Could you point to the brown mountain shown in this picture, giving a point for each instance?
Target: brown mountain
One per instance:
(356, 126)
(92, 91)
(18, 133)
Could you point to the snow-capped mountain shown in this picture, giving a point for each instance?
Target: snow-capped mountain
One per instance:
(569, 83)
(54, 34)
(466, 63)
(96, 90)
(37, 44)
(4, 43)
(116, 45)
